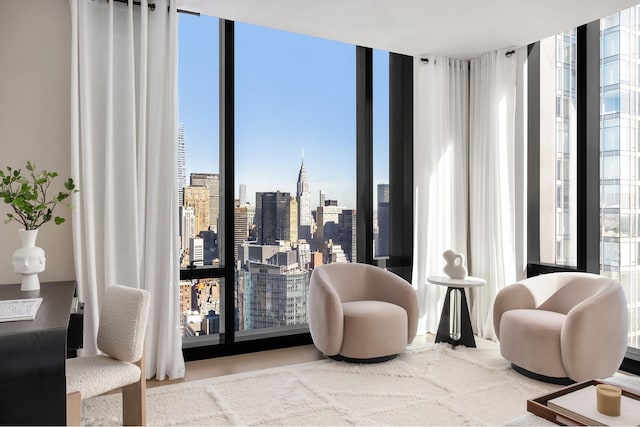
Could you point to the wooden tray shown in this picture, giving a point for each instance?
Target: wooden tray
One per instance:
(538, 406)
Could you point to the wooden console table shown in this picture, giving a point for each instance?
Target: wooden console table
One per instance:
(32, 358)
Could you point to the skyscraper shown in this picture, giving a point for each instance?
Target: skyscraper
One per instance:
(251, 220)
(197, 197)
(304, 254)
(347, 233)
(333, 253)
(620, 158)
(240, 228)
(293, 220)
(619, 154)
(275, 289)
(188, 224)
(243, 194)
(382, 248)
(328, 220)
(196, 251)
(212, 182)
(182, 164)
(303, 197)
(272, 217)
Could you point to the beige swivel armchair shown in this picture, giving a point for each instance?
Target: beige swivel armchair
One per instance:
(123, 321)
(562, 327)
(359, 312)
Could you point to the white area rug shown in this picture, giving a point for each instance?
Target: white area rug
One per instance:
(430, 385)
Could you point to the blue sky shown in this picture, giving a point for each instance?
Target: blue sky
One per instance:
(293, 93)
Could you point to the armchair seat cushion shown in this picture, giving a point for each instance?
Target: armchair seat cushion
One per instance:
(373, 329)
(530, 339)
(95, 375)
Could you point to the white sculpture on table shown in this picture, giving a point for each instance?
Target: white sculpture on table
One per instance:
(454, 268)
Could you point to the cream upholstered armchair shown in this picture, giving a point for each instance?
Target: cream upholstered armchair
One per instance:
(123, 321)
(359, 312)
(562, 327)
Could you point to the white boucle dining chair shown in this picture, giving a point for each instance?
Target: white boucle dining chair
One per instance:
(121, 331)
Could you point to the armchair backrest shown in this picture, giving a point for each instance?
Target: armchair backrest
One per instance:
(573, 288)
(348, 280)
(123, 322)
(560, 292)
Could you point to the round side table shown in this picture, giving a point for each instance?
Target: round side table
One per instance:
(456, 329)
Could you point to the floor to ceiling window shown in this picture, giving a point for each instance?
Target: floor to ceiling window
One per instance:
(620, 157)
(275, 137)
(199, 180)
(597, 78)
(295, 157)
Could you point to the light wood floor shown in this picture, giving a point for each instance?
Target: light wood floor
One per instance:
(219, 366)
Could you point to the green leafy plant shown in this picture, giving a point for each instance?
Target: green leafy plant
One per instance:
(29, 196)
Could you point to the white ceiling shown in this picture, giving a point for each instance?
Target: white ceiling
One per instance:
(455, 28)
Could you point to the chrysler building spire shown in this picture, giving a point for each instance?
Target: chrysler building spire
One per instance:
(303, 196)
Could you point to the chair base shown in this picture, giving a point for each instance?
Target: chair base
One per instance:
(341, 358)
(544, 378)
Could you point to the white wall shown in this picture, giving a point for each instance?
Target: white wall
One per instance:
(35, 52)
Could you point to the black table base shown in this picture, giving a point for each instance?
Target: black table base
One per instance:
(466, 331)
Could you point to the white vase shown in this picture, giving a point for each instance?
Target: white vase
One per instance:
(29, 260)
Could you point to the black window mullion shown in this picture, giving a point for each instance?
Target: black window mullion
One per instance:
(227, 142)
(588, 142)
(364, 154)
(533, 156)
(400, 165)
(201, 273)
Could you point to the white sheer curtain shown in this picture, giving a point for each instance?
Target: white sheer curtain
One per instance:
(441, 116)
(124, 136)
(496, 182)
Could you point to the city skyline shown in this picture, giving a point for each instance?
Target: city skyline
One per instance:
(294, 137)
(294, 94)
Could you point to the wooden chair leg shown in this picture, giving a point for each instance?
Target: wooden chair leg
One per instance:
(134, 400)
(74, 408)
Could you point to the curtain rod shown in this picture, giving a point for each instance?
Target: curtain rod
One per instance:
(507, 54)
(188, 12)
(152, 7)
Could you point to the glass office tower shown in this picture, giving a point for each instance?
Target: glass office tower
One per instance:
(619, 154)
(620, 157)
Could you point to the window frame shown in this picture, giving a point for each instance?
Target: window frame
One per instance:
(401, 178)
(588, 158)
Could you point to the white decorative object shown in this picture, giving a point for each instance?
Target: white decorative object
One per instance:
(29, 260)
(454, 268)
